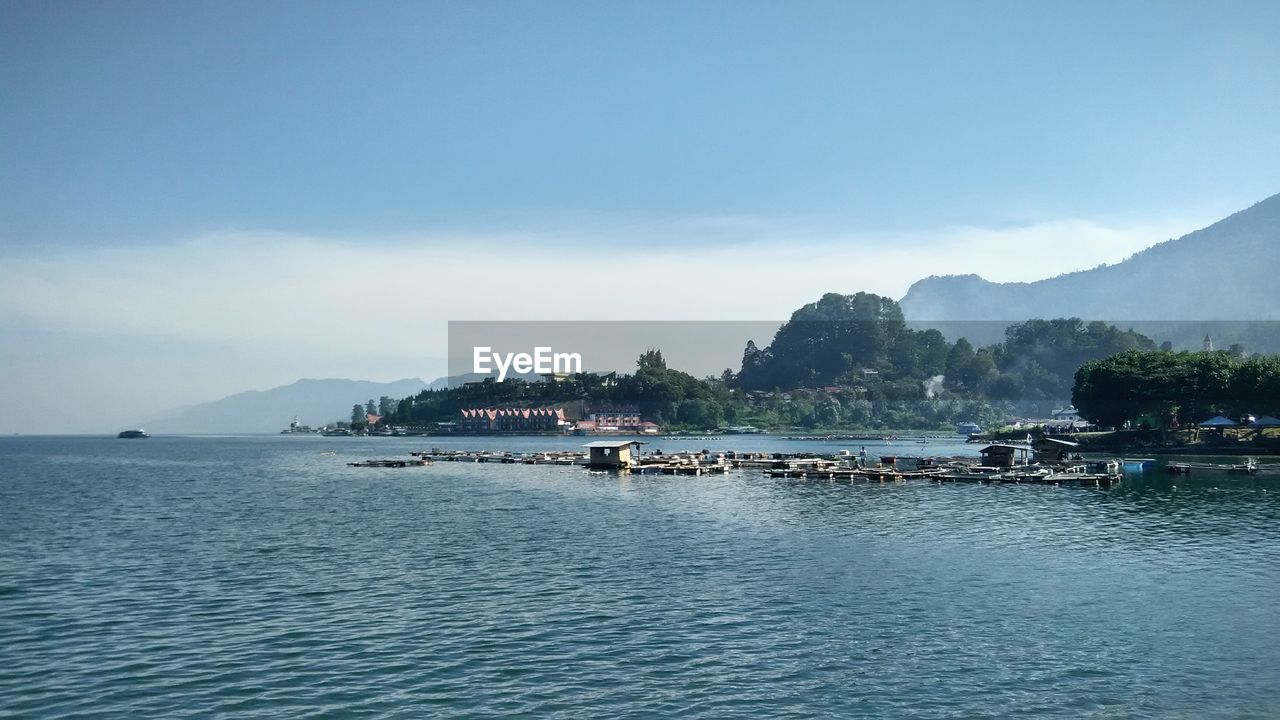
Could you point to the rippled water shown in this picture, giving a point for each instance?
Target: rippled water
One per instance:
(200, 577)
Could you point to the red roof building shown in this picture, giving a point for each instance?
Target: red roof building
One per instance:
(487, 420)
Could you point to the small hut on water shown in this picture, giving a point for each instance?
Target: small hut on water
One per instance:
(610, 454)
(1002, 455)
(1052, 450)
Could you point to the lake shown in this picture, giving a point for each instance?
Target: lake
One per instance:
(262, 577)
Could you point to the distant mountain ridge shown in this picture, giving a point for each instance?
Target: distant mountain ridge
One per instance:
(1226, 271)
(314, 402)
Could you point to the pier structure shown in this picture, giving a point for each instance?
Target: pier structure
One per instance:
(624, 456)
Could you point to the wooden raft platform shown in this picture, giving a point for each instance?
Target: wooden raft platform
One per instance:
(390, 463)
(842, 467)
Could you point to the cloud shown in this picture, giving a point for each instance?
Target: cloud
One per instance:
(361, 296)
(128, 331)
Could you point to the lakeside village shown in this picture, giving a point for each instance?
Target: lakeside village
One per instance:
(1130, 399)
(1050, 456)
(573, 418)
(848, 367)
(579, 418)
(1043, 461)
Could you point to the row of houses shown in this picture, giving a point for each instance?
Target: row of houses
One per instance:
(486, 420)
(1046, 450)
(623, 419)
(619, 420)
(588, 427)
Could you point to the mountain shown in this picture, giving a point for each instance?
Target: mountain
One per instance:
(1226, 271)
(314, 402)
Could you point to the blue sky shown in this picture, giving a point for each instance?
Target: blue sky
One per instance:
(159, 157)
(140, 121)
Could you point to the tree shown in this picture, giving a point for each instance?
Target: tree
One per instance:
(357, 414)
(1205, 389)
(699, 414)
(981, 371)
(370, 407)
(1044, 354)
(827, 412)
(651, 360)
(404, 410)
(830, 341)
(934, 352)
(1103, 391)
(1165, 387)
(1007, 387)
(1256, 385)
(959, 360)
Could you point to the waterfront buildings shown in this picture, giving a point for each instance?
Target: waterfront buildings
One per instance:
(487, 420)
(621, 420)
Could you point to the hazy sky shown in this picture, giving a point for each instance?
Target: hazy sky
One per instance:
(200, 198)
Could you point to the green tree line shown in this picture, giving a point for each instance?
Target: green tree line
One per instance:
(1167, 389)
(844, 361)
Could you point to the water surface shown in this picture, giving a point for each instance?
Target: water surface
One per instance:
(261, 577)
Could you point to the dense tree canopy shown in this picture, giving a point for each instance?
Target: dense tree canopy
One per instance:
(852, 361)
(861, 340)
(835, 340)
(1175, 389)
(1040, 357)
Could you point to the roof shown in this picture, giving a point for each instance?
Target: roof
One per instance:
(993, 446)
(504, 412)
(1056, 441)
(612, 443)
(1266, 421)
(1219, 421)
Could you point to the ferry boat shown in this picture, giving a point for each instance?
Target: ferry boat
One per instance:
(296, 428)
(132, 435)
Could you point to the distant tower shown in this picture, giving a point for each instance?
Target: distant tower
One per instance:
(1208, 343)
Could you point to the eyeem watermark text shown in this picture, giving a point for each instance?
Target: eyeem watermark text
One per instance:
(543, 361)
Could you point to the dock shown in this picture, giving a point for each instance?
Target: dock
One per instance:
(1250, 466)
(397, 463)
(682, 463)
(806, 467)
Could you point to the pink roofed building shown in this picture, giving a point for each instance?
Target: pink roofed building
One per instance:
(488, 420)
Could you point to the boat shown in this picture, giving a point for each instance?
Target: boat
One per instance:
(1248, 467)
(132, 435)
(414, 462)
(335, 432)
(1105, 467)
(1139, 464)
(296, 428)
